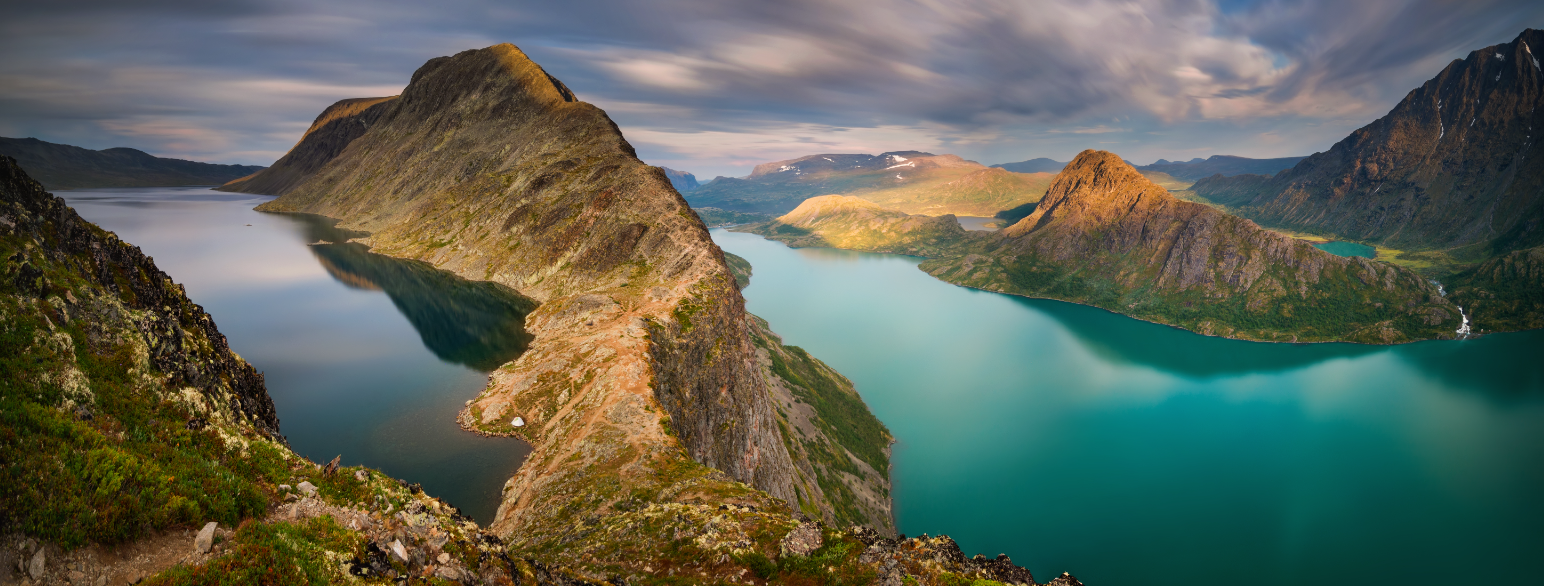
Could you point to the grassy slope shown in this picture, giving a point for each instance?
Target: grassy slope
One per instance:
(964, 190)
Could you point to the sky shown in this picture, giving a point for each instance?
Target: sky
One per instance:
(715, 87)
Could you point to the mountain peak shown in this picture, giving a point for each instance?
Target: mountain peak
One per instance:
(1097, 187)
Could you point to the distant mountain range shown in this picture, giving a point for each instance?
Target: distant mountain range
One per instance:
(914, 182)
(1191, 170)
(682, 180)
(1226, 165)
(1041, 165)
(61, 166)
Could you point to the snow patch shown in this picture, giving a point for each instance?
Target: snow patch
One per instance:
(1501, 57)
(898, 176)
(912, 164)
(828, 159)
(898, 157)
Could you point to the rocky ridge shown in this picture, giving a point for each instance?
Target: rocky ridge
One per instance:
(643, 367)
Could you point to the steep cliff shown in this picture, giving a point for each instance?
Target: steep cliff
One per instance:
(908, 181)
(839, 221)
(1453, 166)
(61, 166)
(1104, 235)
(643, 363)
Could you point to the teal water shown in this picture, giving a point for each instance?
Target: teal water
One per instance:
(366, 356)
(1338, 248)
(1131, 453)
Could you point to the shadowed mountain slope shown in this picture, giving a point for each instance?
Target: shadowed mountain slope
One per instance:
(1453, 166)
(1104, 235)
(1040, 165)
(681, 180)
(61, 166)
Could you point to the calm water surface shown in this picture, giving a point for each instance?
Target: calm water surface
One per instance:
(977, 223)
(1347, 249)
(1131, 453)
(365, 356)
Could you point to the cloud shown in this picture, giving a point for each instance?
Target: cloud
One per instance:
(715, 86)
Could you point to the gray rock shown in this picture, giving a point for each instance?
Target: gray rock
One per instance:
(307, 488)
(205, 539)
(361, 475)
(35, 567)
(802, 540)
(396, 548)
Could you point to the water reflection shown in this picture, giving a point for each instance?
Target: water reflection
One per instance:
(1120, 339)
(475, 323)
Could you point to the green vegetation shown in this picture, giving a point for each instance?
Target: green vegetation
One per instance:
(714, 217)
(741, 269)
(275, 553)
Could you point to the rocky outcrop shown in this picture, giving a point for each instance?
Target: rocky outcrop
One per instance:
(61, 166)
(112, 286)
(1453, 166)
(681, 180)
(1106, 236)
(908, 181)
(642, 351)
(838, 221)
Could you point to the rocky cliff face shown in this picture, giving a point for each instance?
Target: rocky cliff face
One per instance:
(1107, 236)
(642, 347)
(1453, 166)
(681, 180)
(1504, 293)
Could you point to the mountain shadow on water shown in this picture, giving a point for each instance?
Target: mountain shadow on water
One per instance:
(479, 324)
(1123, 339)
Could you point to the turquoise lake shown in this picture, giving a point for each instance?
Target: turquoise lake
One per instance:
(1131, 453)
(1347, 249)
(365, 356)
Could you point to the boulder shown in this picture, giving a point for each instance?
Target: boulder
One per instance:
(205, 539)
(802, 540)
(35, 567)
(307, 488)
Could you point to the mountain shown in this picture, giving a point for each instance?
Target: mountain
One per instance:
(910, 181)
(1104, 235)
(717, 218)
(1225, 165)
(644, 368)
(333, 129)
(1453, 167)
(840, 221)
(61, 166)
(681, 180)
(1040, 165)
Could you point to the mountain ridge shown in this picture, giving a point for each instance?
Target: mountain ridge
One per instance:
(1451, 167)
(62, 166)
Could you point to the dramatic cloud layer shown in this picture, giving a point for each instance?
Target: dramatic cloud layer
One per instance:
(714, 87)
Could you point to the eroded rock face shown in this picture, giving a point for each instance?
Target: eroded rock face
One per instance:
(1454, 164)
(1107, 236)
(641, 342)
